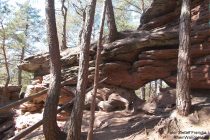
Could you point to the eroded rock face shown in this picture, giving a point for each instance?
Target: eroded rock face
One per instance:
(33, 89)
(36, 104)
(13, 91)
(31, 107)
(140, 56)
(146, 54)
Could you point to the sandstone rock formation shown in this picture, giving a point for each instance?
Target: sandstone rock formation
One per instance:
(37, 103)
(144, 55)
(13, 91)
(111, 98)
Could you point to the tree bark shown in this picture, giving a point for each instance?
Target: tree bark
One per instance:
(113, 33)
(155, 87)
(142, 6)
(64, 14)
(150, 88)
(74, 128)
(83, 26)
(159, 86)
(143, 92)
(23, 53)
(50, 127)
(96, 78)
(20, 70)
(161, 83)
(6, 94)
(183, 100)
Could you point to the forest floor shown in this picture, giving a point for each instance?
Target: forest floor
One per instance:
(126, 125)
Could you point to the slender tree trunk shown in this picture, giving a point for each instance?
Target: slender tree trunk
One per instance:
(183, 100)
(64, 14)
(143, 10)
(74, 129)
(150, 88)
(19, 70)
(155, 87)
(96, 78)
(161, 83)
(83, 26)
(5, 94)
(94, 34)
(113, 34)
(159, 86)
(143, 92)
(23, 53)
(50, 127)
(142, 6)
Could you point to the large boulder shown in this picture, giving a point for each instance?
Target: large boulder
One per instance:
(110, 98)
(33, 89)
(13, 91)
(36, 104)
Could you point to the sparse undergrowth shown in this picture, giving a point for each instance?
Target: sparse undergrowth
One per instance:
(141, 125)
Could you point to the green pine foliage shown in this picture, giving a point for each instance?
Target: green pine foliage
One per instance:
(23, 28)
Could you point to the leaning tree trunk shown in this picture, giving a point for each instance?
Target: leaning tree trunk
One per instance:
(183, 101)
(113, 34)
(64, 14)
(6, 94)
(74, 126)
(96, 78)
(50, 127)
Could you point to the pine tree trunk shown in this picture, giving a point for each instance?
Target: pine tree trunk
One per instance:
(96, 78)
(183, 100)
(159, 86)
(150, 89)
(74, 126)
(142, 6)
(22, 54)
(64, 14)
(82, 29)
(143, 11)
(20, 70)
(6, 94)
(155, 87)
(113, 34)
(161, 83)
(143, 92)
(50, 127)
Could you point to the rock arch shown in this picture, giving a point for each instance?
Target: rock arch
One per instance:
(146, 54)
